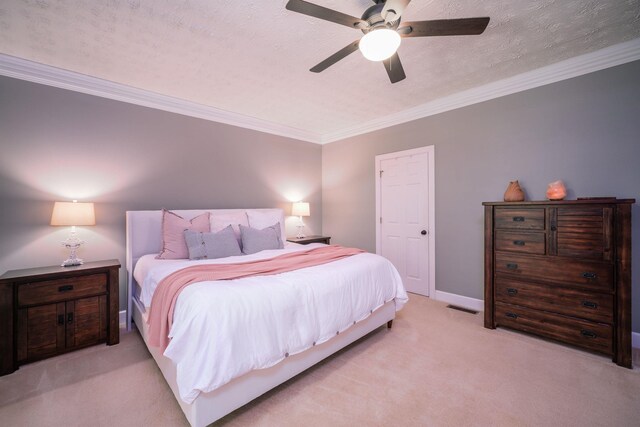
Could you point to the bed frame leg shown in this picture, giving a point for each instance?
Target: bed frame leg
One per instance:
(389, 324)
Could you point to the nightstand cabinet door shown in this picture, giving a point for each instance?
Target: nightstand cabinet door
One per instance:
(89, 325)
(48, 329)
(41, 331)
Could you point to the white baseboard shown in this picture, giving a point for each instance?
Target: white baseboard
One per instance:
(635, 339)
(459, 300)
(123, 319)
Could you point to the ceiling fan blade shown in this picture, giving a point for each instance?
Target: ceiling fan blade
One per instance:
(394, 68)
(393, 9)
(444, 27)
(320, 12)
(342, 53)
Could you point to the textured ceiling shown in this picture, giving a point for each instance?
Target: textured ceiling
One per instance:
(252, 56)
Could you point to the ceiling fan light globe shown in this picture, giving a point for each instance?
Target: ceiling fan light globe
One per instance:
(378, 45)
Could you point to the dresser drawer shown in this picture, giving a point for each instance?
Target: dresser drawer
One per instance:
(49, 291)
(519, 219)
(590, 335)
(532, 243)
(587, 305)
(584, 274)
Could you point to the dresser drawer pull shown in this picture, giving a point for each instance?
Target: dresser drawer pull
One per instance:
(519, 242)
(589, 304)
(70, 317)
(60, 319)
(589, 275)
(518, 219)
(512, 266)
(512, 291)
(511, 315)
(65, 288)
(588, 334)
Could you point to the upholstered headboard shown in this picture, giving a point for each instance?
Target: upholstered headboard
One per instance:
(144, 236)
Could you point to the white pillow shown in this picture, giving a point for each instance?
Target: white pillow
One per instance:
(220, 220)
(264, 219)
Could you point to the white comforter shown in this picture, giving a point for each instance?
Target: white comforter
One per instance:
(224, 329)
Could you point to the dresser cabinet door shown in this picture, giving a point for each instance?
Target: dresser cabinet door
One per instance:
(584, 232)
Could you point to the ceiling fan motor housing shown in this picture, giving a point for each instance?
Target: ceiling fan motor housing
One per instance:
(373, 17)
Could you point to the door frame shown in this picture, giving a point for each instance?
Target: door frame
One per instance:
(431, 229)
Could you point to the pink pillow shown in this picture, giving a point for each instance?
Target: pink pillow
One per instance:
(173, 227)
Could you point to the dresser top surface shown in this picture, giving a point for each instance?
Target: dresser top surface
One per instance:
(586, 201)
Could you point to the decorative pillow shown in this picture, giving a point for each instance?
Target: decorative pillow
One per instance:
(259, 240)
(173, 226)
(220, 220)
(263, 219)
(212, 245)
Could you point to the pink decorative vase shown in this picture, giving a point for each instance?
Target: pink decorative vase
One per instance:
(514, 193)
(556, 190)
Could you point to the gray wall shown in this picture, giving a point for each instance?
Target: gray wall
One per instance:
(585, 131)
(61, 145)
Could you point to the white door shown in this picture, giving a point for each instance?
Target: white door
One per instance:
(404, 202)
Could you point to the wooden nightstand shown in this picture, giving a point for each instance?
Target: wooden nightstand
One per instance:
(48, 311)
(310, 239)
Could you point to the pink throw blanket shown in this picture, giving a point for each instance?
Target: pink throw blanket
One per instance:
(164, 299)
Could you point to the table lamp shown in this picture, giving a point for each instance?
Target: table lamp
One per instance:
(73, 214)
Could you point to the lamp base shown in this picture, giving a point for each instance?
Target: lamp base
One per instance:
(72, 243)
(300, 234)
(69, 262)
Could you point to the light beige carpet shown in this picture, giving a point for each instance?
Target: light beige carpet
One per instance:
(436, 367)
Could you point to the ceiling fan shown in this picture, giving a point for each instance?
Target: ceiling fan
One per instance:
(380, 24)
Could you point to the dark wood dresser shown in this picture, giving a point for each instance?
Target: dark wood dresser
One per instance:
(52, 310)
(561, 270)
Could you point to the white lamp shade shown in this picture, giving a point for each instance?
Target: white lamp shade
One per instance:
(378, 45)
(300, 209)
(73, 213)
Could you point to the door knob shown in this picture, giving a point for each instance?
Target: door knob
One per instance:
(423, 232)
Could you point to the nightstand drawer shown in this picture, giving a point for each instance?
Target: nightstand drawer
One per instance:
(50, 291)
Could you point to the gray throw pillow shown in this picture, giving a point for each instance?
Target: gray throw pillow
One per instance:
(212, 245)
(254, 240)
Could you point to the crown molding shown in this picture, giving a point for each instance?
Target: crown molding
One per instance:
(604, 58)
(44, 74)
(23, 69)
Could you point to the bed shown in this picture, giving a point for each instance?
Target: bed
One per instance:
(212, 398)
